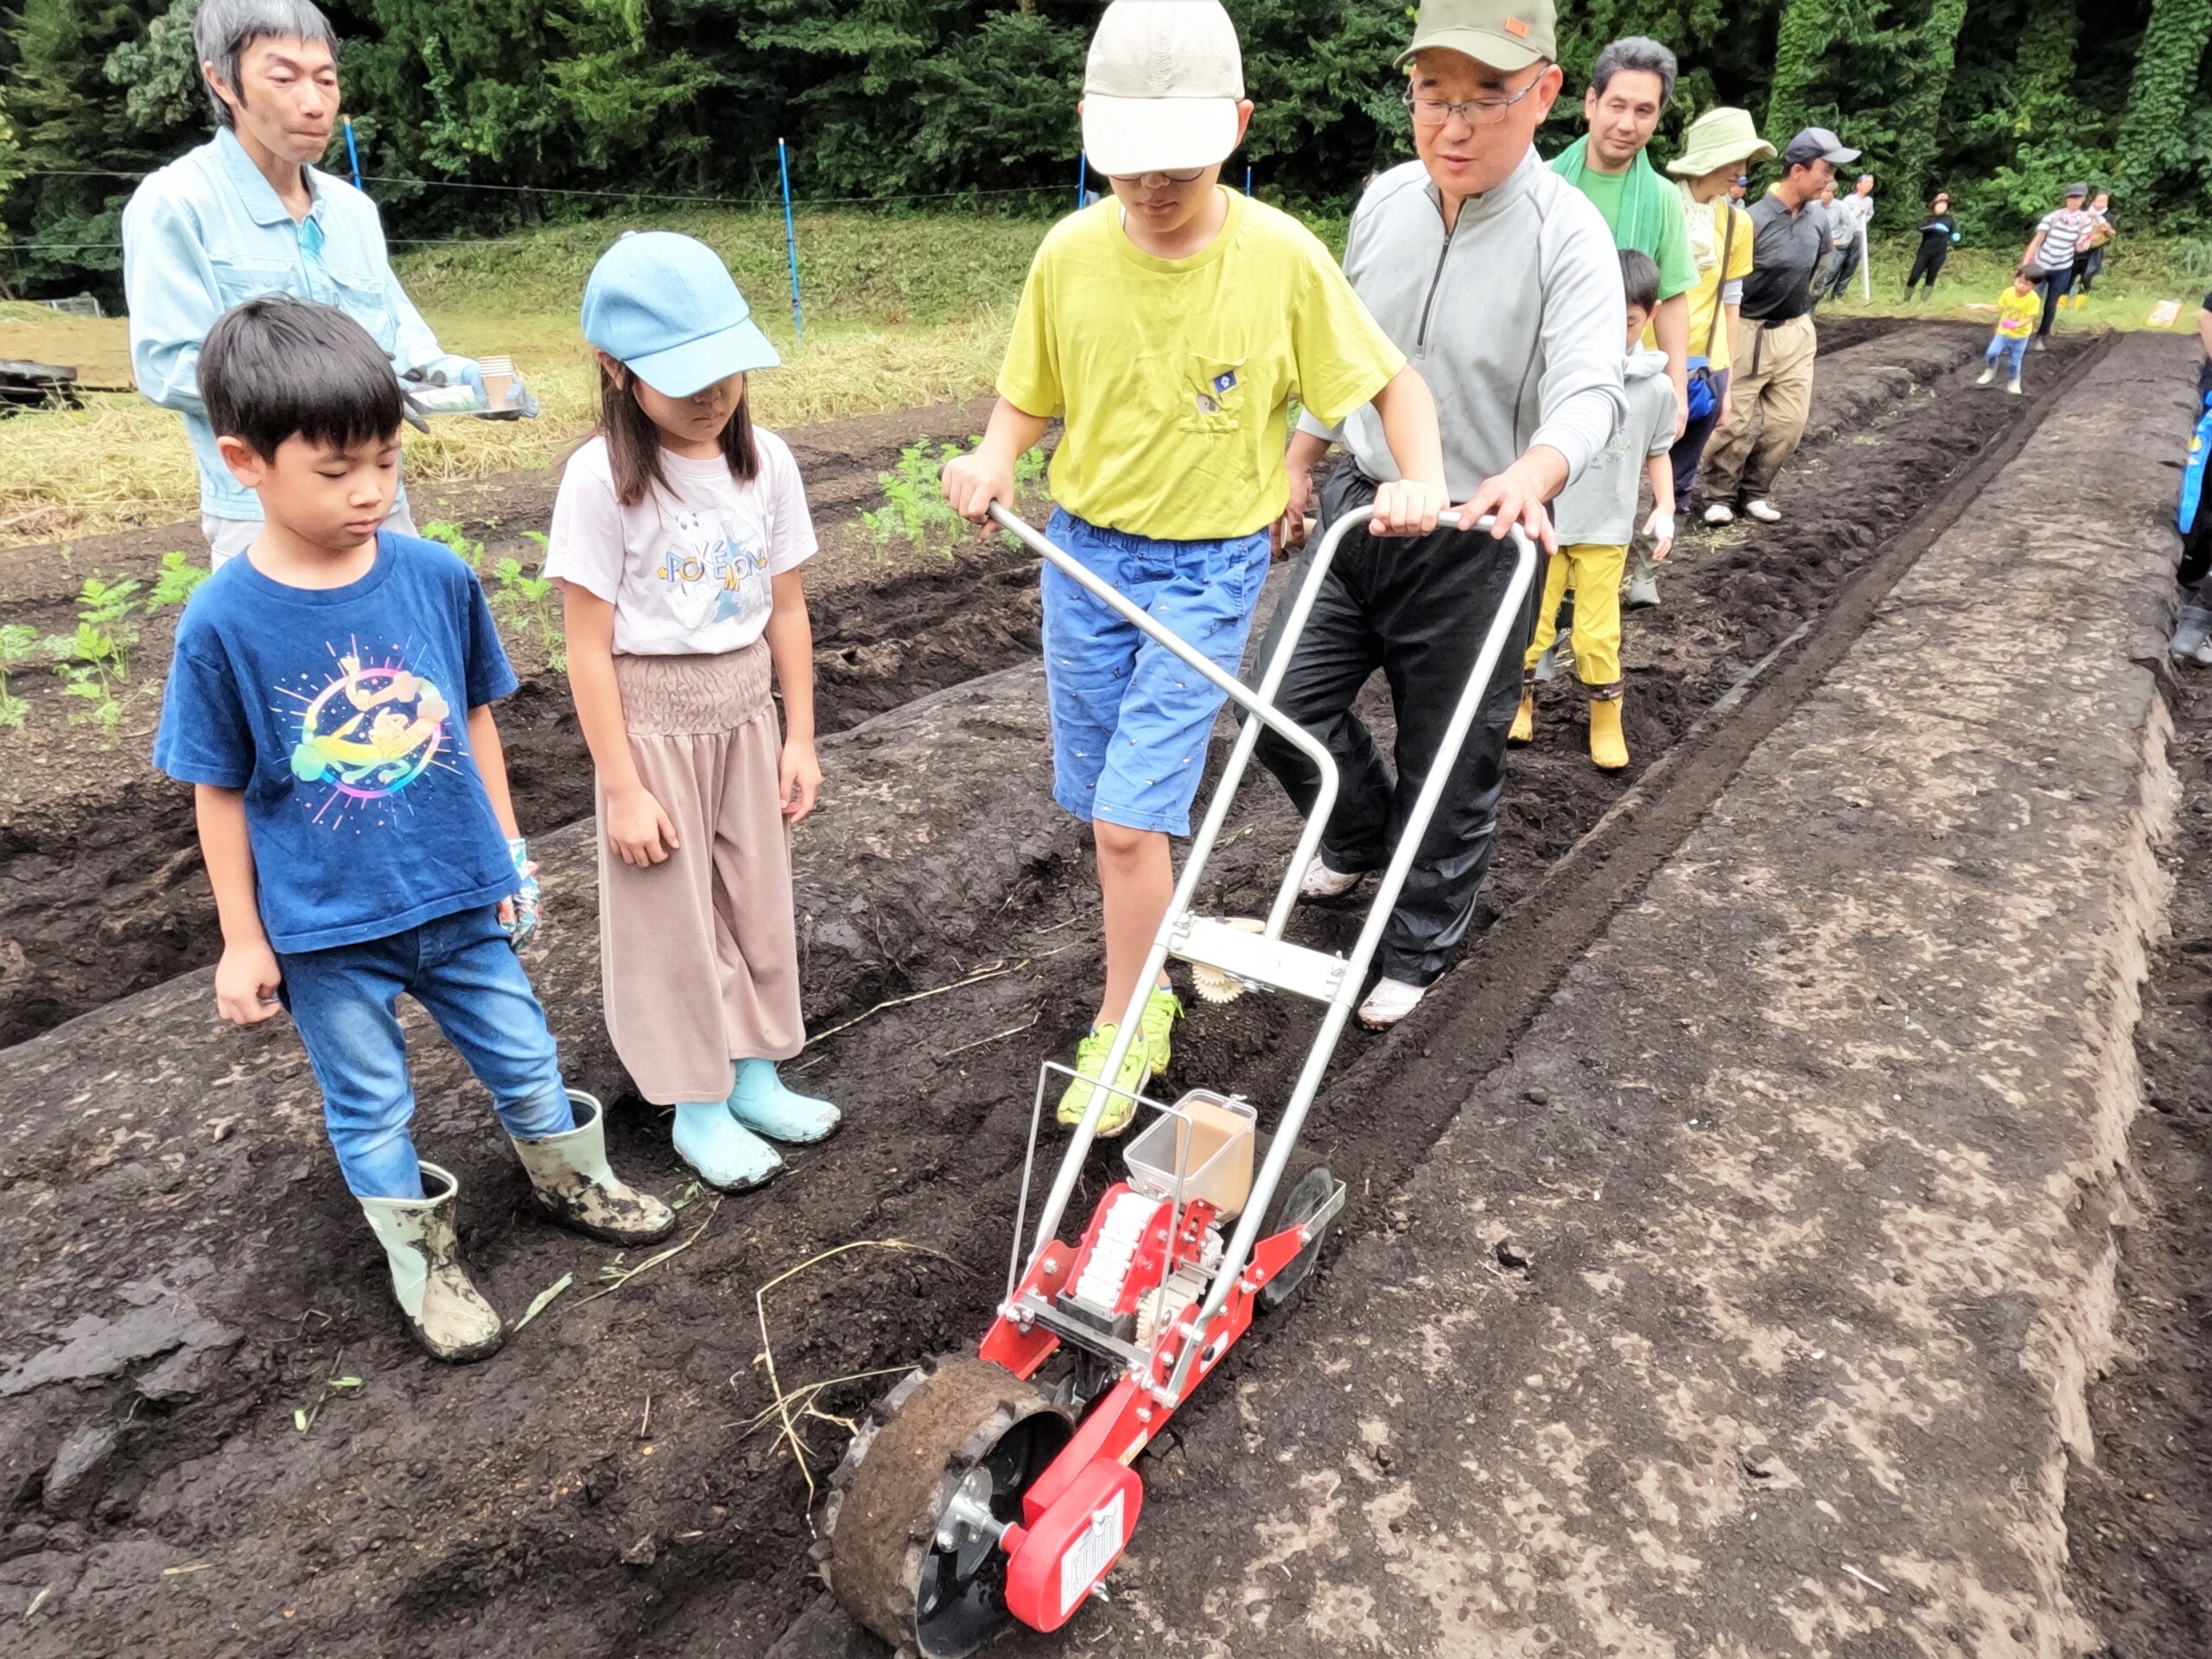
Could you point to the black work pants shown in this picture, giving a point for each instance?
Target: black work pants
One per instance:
(1419, 610)
(1926, 266)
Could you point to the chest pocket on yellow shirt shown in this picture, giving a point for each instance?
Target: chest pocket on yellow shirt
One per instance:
(1213, 395)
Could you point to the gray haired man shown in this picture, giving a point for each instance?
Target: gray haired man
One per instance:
(247, 214)
(1499, 281)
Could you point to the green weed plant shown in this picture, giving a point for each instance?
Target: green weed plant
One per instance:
(914, 509)
(94, 662)
(18, 645)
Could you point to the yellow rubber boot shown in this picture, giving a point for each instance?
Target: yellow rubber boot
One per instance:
(1523, 731)
(1608, 747)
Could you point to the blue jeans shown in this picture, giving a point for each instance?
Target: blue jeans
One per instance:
(1130, 719)
(2012, 351)
(463, 971)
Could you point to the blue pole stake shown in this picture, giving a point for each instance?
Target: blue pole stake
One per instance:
(353, 156)
(1247, 180)
(791, 238)
(1081, 177)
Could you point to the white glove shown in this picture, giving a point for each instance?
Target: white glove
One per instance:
(1660, 527)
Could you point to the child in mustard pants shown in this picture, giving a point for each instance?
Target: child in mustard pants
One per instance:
(1596, 519)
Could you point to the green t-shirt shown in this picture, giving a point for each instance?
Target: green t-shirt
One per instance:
(1677, 264)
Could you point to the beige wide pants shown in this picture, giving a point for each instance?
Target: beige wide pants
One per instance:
(1770, 393)
(699, 955)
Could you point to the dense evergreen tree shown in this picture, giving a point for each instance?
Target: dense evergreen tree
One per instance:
(2000, 101)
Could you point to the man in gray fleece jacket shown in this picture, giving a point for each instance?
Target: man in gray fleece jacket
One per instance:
(1498, 280)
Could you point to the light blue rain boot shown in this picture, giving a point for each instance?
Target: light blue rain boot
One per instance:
(761, 1102)
(723, 1152)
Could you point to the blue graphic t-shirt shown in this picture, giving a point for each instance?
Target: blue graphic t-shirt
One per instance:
(342, 713)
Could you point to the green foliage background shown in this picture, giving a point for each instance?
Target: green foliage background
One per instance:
(932, 101)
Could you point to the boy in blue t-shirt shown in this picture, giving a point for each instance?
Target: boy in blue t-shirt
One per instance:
(329, 701)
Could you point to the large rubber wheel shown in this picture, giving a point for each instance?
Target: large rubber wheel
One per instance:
(928, 1435)
(1306, 1186)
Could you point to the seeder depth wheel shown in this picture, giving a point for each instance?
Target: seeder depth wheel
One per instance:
(947, 1445)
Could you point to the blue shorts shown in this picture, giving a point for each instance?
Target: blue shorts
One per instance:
(1130, 720)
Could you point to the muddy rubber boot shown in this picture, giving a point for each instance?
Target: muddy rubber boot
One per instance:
(447, 1314)
(571, 1183)
(722, 1151)
(1608, 747)
(2192, 640)
(1523, 732)
(762, 1105)
(1986, 376)
(2012, 386)
(1641, 592)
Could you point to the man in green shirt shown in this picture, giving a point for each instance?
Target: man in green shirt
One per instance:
(1631, 85)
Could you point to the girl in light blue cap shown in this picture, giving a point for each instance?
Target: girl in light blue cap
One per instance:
(677, 538)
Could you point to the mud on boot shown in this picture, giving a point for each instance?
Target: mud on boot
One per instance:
(447, 1314)
(2192, 640)
(1608, 746)
(570, 1182)
(764, 1105)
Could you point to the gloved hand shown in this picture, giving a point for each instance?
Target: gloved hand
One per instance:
(525, 404)
(451, 370)
(518, 915)
(1660, 527)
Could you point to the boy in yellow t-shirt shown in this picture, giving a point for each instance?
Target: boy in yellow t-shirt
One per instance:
(1169, 326)
(2017, 309)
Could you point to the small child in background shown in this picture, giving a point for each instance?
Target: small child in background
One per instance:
(1595, 517)
(2018, 309)
(678, 537)
(329, 701)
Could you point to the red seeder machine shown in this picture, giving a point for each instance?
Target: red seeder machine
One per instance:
(1001, 1484)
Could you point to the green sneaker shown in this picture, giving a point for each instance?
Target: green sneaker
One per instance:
(1162, 1010)
(1090, 1061)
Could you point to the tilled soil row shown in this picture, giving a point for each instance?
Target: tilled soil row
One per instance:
(174, 1171)
(101, 892)
(2138, 1519)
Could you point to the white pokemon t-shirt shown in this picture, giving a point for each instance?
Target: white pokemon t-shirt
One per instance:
(687, 569)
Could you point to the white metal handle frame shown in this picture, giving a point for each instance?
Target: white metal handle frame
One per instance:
(1260, 706)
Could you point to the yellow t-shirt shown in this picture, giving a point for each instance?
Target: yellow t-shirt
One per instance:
(1707, 294)
(2017, 313)
(1174, 375)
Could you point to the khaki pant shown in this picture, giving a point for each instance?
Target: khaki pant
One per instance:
(1773, 389)
(1595, 571)
(699, 955)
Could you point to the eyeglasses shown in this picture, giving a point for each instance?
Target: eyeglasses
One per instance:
(1189, 176)
(1475, 111)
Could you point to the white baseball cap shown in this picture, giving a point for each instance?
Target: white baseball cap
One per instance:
(1160, 90)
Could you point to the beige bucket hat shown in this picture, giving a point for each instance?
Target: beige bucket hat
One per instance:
(1716, 139)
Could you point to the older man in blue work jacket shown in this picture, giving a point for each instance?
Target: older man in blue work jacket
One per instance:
(248, 214)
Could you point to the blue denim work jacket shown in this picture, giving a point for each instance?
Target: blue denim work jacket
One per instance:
(207, 232)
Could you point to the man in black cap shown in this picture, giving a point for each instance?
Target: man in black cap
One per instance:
(1771, 390)
(2050, 254)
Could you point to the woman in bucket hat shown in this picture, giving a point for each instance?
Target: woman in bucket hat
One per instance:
(1719, 147)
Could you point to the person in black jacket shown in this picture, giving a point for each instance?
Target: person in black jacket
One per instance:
(1937, 233)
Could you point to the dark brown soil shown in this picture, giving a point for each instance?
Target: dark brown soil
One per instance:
(2139, 1519)
(100, 888)
(528, 1504)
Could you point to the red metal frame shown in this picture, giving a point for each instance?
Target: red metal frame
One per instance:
(1067, 1507)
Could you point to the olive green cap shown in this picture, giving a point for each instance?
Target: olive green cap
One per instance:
(1507, 34)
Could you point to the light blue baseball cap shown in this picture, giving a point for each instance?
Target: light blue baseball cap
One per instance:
(664, 307)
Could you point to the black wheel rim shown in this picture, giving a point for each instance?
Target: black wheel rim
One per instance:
(953, 1615)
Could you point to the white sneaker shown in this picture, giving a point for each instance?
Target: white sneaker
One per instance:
(1322, 882)
(1391, 1000)
(1986, 376)
(1720, 513)
(1764, 510)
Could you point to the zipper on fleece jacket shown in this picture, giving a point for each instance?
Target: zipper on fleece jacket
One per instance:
(1421, 339)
